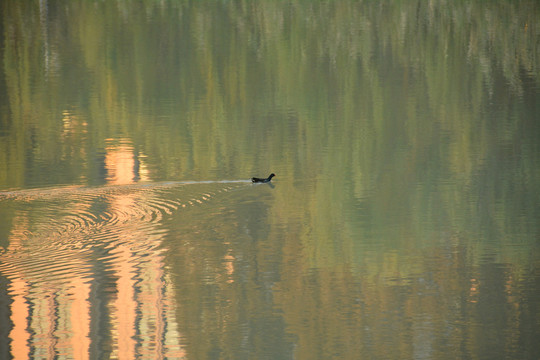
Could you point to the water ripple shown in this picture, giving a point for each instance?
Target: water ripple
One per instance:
(55, 230)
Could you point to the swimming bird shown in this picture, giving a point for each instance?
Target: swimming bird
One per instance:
(259, 180)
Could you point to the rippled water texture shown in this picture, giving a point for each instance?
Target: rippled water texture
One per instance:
(79, 256)
(403, 221)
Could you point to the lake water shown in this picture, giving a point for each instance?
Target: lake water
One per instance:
(403, 222)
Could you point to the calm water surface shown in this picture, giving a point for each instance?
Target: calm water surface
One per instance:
(402, 223)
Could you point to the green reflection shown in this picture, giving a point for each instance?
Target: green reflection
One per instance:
(404, 136)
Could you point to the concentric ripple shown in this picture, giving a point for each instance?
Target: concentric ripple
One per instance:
(54, 229)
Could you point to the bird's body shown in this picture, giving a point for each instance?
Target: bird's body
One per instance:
(259, 180)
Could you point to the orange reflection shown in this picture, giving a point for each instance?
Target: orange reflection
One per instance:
(49, 315)
(125, 306)
(55, 308)
(80, 316)
(228, 261)
(121, 163)
(19, 314)
(474, 290)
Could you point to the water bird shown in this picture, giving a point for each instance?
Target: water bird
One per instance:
(259, 180)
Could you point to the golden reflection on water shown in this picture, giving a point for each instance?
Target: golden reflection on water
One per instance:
(61, 301)
(122, 165)
(406, 153)
(54, 273)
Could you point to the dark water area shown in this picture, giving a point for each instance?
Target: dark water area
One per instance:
(402, 222)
